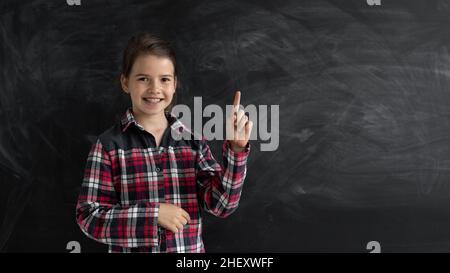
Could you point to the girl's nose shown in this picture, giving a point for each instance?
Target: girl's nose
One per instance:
(154, 86)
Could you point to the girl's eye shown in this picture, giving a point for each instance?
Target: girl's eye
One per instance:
(143, 79)
(166, 80)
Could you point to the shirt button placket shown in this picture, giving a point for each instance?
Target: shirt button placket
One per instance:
(158, 169)
(156, 173)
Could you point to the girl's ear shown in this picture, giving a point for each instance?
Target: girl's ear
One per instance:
(175, 82)
(124, 83)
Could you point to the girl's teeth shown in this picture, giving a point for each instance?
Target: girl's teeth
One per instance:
(153, 100)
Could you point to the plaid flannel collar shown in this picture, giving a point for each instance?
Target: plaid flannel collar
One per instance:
(174, 122)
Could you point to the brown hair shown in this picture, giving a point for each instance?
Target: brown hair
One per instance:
(145, 43)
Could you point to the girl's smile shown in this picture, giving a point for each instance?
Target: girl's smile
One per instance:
(152, 102)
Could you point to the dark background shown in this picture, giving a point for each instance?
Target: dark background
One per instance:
(364, 100)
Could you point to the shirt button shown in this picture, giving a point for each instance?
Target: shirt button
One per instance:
(158, 169)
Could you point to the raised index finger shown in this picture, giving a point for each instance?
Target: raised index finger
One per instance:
(237, 98)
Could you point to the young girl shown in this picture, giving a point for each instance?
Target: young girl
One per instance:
(143, 190)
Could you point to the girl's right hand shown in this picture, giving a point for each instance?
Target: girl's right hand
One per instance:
(172, 217)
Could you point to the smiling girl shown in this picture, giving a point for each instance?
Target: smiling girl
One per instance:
(144, 190)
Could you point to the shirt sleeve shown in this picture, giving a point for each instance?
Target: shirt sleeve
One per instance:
(99, 213)
(220, 187)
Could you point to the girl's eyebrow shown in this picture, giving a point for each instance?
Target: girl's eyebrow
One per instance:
(166, 75)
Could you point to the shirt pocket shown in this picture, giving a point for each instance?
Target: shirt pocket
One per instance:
(180, 172)
(138, 177)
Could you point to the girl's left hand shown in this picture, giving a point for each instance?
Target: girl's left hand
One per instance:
(239, 127)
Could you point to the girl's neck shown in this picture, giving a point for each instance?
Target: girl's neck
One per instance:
(151, 122)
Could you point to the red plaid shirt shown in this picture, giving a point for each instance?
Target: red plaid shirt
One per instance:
(127, 177)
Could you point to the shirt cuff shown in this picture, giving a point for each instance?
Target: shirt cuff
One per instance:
(244, 152)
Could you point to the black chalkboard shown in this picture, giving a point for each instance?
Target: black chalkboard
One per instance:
(363, 93)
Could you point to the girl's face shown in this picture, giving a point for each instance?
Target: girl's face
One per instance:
(151, 84)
